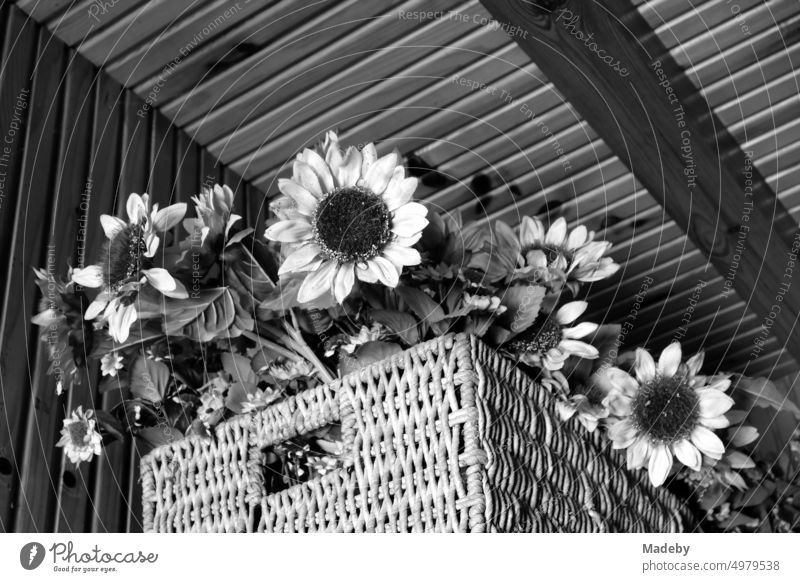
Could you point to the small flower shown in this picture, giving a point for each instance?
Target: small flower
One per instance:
(484, 303)
(260, 399)
(212, 403)
(215, 216)
(352, 217)
(127, 263)
(549, 345)
(665, 410)
(286, 369)
(79, 438)
(110, 363)
(574, 253)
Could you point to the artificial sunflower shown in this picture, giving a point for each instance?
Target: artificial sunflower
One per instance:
(215, 217)
(351, 217)
(574, 253)
(667, 409)
(80, 439)
(128, 263)
(549, 344)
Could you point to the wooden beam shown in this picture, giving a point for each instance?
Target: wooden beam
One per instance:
(604, 58)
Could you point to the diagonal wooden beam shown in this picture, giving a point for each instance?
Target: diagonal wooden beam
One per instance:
(609, 64)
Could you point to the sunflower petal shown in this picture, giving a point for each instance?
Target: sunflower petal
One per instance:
(577, 237)
(320, 168)
(687, 454)
(660, 464)
(531, 232)
(557, 234)
(299, 259)
(289, 231)
(306, 177)
(580, 330)
(570, 312)
(343, 282)
(160, 279)
(380, 172)
(350, 170)
(409, 225)
(402, 256)
(622, 434)
(136, 208)
(708, 443)
(638, 453)
(112, 225)
(96, 307)
(304, 200)
(317, 282)
(580, 349)
(644, 366)
(368, 157)
(399, 191)
(169, 217)
(713, 402)
(669, 360)
(385, 271)
(91, 276)
(739, 460)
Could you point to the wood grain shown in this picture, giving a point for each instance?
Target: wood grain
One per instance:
(634, 117)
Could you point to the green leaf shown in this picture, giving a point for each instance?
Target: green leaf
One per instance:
(522, 303)
(239, 367)
(758, 494)
(375, 351)
(149, 379)
(402, 324)
(237, 395)
(103, 344)
(110, 423)
(157, 436)
(421, 304)
(766, 394)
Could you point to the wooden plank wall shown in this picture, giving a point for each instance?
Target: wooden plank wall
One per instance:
(72, 146)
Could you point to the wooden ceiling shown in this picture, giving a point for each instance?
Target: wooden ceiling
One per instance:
(255, 81)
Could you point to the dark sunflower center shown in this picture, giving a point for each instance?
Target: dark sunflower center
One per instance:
(538, 340)
(352, 225)
(124, 256)
(78, 432)
(666, 409)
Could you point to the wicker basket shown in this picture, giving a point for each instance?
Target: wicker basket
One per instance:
(446, 436)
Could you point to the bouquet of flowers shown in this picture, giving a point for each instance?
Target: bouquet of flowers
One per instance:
(198, 319)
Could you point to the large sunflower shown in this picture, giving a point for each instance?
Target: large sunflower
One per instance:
(350, 215)
(549, 344)
(127, 263)
(573, 252)
(667, 409)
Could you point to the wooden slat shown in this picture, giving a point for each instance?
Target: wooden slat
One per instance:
(654, 154)
(261, 115)
(110, 495)
(37, 494)
(42, 11)
(161, 167)
(76, 498)
(187, 169)
(85, 17)
(329, 106)
(18, 54)
(348, 21)
(179, 39)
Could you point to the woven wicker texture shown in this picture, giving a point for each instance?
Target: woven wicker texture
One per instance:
(444, 437)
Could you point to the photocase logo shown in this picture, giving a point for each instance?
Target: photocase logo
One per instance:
(31, 555)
